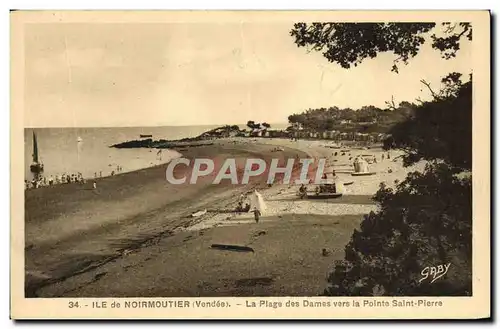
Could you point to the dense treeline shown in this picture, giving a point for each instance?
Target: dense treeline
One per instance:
(366, 120)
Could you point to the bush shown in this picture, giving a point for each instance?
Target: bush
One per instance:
(426, 221)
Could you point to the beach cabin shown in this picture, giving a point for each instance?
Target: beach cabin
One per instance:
(300, 134)
(278, 133)
(314, 134)
(256, 133)
(362, 137)
(326, 135)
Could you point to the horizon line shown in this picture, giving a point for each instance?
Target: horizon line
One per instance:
(154, 126)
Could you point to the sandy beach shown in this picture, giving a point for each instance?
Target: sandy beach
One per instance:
(133, 236)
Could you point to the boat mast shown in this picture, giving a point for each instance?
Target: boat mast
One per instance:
(78, 146)
(35, 149)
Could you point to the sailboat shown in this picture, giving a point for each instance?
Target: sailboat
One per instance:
(36, 167)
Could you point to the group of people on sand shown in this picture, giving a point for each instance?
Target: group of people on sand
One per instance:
(41, 181)
(113, 172)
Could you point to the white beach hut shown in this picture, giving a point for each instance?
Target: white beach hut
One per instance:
(257, 202)
(360, 165)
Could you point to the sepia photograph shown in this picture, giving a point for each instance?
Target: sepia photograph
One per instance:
(246, 156)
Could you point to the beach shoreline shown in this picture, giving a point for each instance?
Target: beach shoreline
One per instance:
(73, 234)
(61, 220)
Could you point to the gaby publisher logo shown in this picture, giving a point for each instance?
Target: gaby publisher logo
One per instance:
(236, 171)
(434, 272)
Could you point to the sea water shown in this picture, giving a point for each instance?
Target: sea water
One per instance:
(87, 150)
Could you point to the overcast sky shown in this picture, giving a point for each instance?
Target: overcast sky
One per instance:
(206, 73)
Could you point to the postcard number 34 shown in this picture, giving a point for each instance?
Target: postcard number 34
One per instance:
(73, 304)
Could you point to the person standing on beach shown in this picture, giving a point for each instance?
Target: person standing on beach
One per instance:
(256, 213)
(94, 185)
(258, 205)
(302, 191)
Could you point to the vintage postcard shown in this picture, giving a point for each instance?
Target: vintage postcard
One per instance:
(250, 164)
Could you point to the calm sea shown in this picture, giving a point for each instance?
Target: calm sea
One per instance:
(86, 150)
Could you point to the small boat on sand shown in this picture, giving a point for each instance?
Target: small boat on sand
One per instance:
(362, 174)
(313, 195)
(329, 190)
(199, 213)
(230, 247)
(146, 136)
